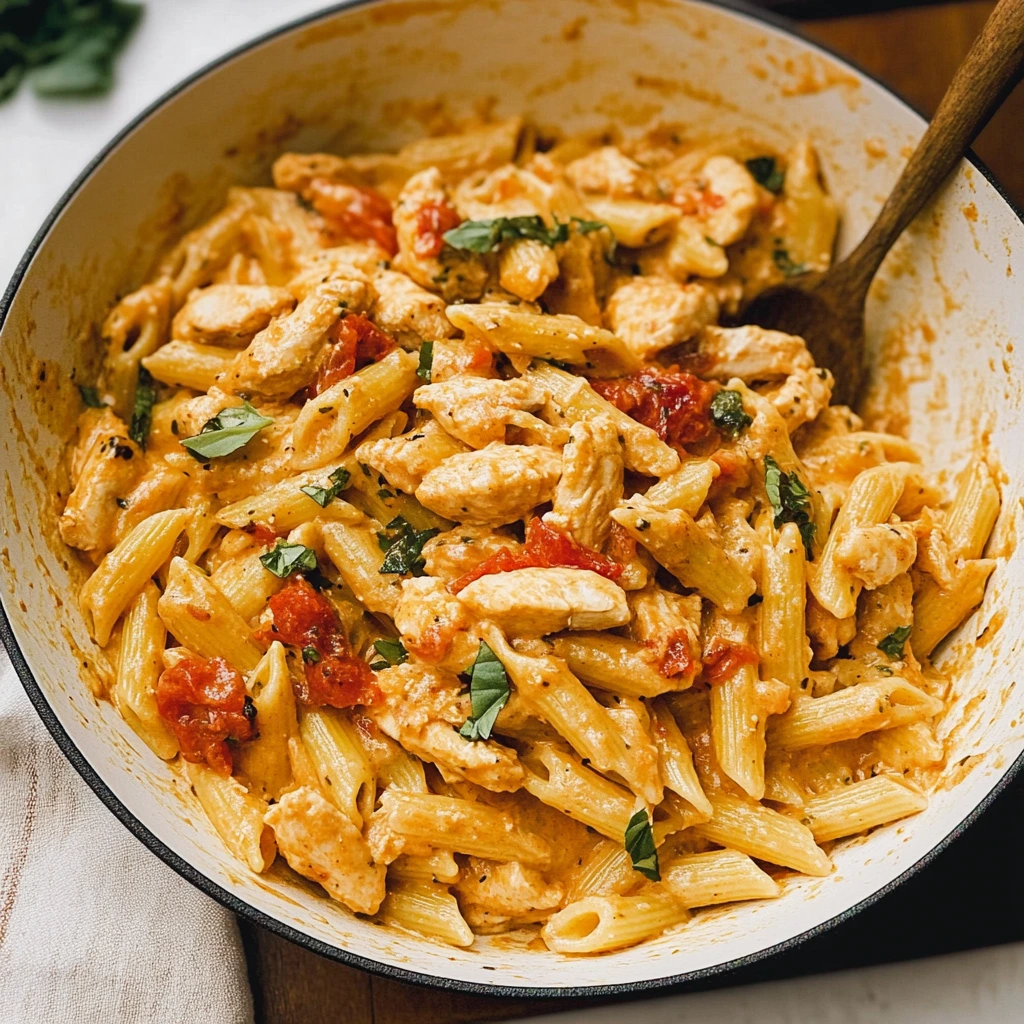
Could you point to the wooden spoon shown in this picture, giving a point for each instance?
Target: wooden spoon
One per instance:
(827, 309)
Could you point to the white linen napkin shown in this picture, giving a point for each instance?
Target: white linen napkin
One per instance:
(94, 927)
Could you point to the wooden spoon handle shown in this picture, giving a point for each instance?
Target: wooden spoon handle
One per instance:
(989, 71)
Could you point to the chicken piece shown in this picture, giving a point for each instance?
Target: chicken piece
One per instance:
(879, 612)
(750, 353)
(533, 602)
(496, 897)
(801, 396)
(429, 617)
(452, 554)
(409, 313)
(322, 844)
(355, 261)
(933, 547)
(727, 222)
(109, 466)
(526, 268)
(405, 460)
(609, 171)
(452, 273)
(283, 357)
(423, 709)
(160, 489)
(877, 554)
(652, 313)
(739, 538)
(477, 410)
(591, 482)
(497, 485)
(230, 314)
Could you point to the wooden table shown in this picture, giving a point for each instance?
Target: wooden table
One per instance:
(915, 51)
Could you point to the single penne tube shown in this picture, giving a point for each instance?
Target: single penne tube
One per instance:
(562, 337)
(202, 619)
(781, 635)
(340, 761)
(849, 713)
(426, 908)
(687, 488)
(738, 728)
(124, 571)
(613, 663)
(236, 814)
(605, 871)
(327, 423)
(574, 400)
(973, 512)
(718, 876)
(634, 222)
(437, 866)
(371, 494)
(201, 529)
(860, 806)
(526, 268)
(676, 759)
(264, 761)
(938, 611)
(759, 832)
(463, 826)
(871, 499)
(685, 550)
(186, 364)
(245, 582)
(357, 555)
(599, 923)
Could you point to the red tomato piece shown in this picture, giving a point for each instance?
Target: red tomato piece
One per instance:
(263, 534)
(350, 212)
(333, 674)
(724, 658)
(432, 221)
(355, 342)
(204, 702)
(675, 405)
(679, 658)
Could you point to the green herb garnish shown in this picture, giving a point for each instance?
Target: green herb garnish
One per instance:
(790, 500)
(323, 496)
(392, 651)
(488, 235)
(403, 551)
(786, 265)
(288, 558)
(639, 841)
(310, 655)
(488, 691)
(142, 413)
(727, 413)
(767, 173)
(426, 361)
(892, 645)
(91, 397)
(229, 430)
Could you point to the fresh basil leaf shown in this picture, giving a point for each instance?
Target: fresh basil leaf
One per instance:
(488, 692)
(142, 413)
(91, 397)
(403, 547)
(727, 413)
(584, 227)
(229, 430)
(392, 651)
(639, 842)
(323, 496)
(790, 500)
(426, 361)
(288, 558)
(786, 265)
(892, 645)
(767, 173)
(488, 235)
(310, 655)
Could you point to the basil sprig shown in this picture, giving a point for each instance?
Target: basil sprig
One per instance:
(790, 500)
(286, 558)
(229, 430)
(392, 651)
(892, 645)
(727, 413)
(323, 496)
(767, 173)
(142, 412)
(403, 547)
(488, 235)
(639, 841)
(488, 692)
(426, 361)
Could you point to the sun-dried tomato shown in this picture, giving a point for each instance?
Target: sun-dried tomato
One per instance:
(204, 702)
(353, 213)
(355, 342)
(333, 675)
(675, 405)
(546, 547)
(679, 658)
(432, 221)
(262, 534)
(724, 658)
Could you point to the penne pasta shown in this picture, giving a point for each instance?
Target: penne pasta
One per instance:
(596, 924)
(860, 806)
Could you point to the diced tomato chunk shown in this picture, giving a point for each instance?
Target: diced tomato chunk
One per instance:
(679, 658)
(333, 675)
(724, 658)
(675, 405)
(264, 535)
(204, 702)
(432, 221)
(353, 213)
(546, 547)
(356, 342)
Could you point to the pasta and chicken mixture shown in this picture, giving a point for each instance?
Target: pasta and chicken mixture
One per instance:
(457, 554)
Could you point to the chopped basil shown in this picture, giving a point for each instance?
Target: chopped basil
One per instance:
(310, 655)
(727, 413)
(91, 397)
(893, 643)
(639, 841)
(426, 361)
(323, 496)
(488, 691)
(790, 499)
(288, 558)
(229, 430)
(392, 651)
(767, 173)
(404, 549)
(585, 227)
(786, 265)
(488, 235)
(142, 413)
